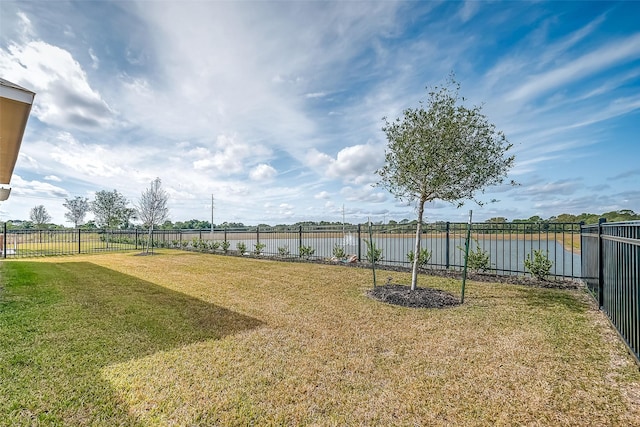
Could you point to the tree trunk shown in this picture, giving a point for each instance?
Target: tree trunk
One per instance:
(416, 253)
(149, 238)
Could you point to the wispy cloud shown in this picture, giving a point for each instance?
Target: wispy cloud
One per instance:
(626, 174)
(616, 52)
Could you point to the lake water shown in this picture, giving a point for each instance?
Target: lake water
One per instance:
(507, 255)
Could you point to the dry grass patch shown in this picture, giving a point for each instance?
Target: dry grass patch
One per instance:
(302, 344)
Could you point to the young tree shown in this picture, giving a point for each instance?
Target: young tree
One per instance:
(78, 209)
(109, 208)
(442, 150)
(39, 216)
(152, 207)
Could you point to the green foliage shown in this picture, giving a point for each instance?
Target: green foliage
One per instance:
(540, 265)
(258, 248)
(283, 251)
(423, 259)
(225, 246)
(338, 251)
(442, 150)
(306, 251)
(478, 260)
(241, 247)
(215, 245)
(77, 210)
(374, 254)
(110, 209)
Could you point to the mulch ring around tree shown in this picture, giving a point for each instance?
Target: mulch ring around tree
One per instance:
(419, 298)
(145, 254)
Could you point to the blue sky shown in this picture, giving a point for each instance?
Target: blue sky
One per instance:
(276, 108)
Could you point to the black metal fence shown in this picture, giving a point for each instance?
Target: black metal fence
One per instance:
(606, 256)
(611, 270)
(506, 244)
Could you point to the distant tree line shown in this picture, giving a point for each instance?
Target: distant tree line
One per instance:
(128, 216)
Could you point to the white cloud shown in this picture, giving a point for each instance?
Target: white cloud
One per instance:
(282, 210)
(263, 172)
(64, 97)
(230, 156)
(562, 188)
(363, 194)
(322, 195)
(23, 187)
(26, 26)
(91, 160)
(52, 178)
(355, 164)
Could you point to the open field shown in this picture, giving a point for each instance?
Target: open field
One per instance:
(182, 338)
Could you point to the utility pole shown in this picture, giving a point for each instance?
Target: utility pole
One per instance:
(343, 234)
(212, 216)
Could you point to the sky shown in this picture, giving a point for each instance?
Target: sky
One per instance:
(276, 108)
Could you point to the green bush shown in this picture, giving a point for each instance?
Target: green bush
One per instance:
(283, 251)
(338, 252)
(306, 251)
(225, 246)
(242, 247)
(540, 266)
(478, 260)
(258, 247)
(374, 254)
(423, 259)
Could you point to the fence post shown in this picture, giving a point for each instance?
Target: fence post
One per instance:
(258, 235)
(359, 245)
(299, 240)
(4, 240)
(79, 238)
(600, 264)
(446, 245)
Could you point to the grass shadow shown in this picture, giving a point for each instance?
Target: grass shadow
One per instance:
(60, 323)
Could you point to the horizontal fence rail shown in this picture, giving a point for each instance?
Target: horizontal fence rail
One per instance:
(611, 270)
(507, 244)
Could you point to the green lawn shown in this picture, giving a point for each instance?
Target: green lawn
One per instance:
(182, 338)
